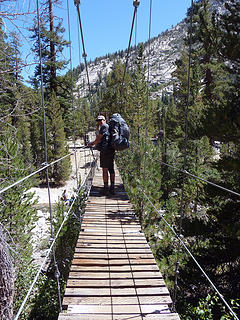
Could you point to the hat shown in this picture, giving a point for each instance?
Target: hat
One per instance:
(100, 118)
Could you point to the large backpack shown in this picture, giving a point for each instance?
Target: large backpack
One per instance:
(119, 132)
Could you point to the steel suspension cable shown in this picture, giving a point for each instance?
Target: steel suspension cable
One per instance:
(136, 4)
(136, 25)
(72, 97)
(191, 175)
(50, 249)
(33, 173)
(192, 256)
(46, 155)
(184, 245)
(184, 159)
(147, 99)
(77, 4)
(79, 57)
(199, 178)
(148, 77)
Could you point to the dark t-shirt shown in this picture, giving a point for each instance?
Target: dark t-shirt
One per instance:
(104, 131)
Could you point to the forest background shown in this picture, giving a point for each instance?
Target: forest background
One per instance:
(209, 217)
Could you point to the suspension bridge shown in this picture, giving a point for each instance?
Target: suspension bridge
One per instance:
(113, 275)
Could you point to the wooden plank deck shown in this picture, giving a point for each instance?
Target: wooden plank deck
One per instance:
(114, 275)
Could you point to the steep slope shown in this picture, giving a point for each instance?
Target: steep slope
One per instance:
(162, 54)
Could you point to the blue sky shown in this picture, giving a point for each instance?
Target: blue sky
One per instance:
(106, 24)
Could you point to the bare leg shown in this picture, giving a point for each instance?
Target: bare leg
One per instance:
(105, 175)
(105, 181)
(112, 178)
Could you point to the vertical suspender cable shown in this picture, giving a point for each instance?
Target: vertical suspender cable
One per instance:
(136, 24)
(79, 53)
(47, 177)
(72, 97)
(77, 3)
(147, 102)
(148, 80)
(149, 51)
(46, 157)
(184, 159)
(136, 5)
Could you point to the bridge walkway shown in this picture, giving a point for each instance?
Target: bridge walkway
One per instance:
(114, 275)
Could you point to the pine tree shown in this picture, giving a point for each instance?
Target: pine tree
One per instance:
(138, 115)
(52, 45)
(7, 80)
(229, 50)
(114, 98)
(209, 213)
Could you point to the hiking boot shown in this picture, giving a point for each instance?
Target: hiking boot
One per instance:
(105, 190)
(112, 190)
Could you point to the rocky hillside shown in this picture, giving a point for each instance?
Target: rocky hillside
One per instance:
(165, 49)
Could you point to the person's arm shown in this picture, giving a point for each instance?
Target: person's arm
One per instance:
(96, 141)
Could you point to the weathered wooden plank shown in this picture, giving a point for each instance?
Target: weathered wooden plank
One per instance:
(97, 255)
(113, 262)
(93, 283)
(115, 275)
(116, 291)
(118, 309)
(86, 235)
(118, 268)
(89, 236)
(114, 245)
(112, 250)
(145, 300)
(111, 240)
(125, 316)
(112, 230)
(110, 223)
(109, 233)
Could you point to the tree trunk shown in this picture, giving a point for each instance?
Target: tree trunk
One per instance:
(6, 281)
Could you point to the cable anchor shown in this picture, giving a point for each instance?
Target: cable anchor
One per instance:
(136, 3)
(77, 2)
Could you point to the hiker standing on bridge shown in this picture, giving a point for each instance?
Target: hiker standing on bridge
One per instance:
(106, 154)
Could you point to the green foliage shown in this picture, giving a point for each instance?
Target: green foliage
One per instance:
(45, 303)
(205, 309)
(83, 117)
(25, 275)
(52, 45)
(210, 217)
(17, 215)
(56, 141)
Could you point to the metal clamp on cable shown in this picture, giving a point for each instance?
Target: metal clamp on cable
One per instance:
(77, 2)
(84, 55)
(136, 3)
